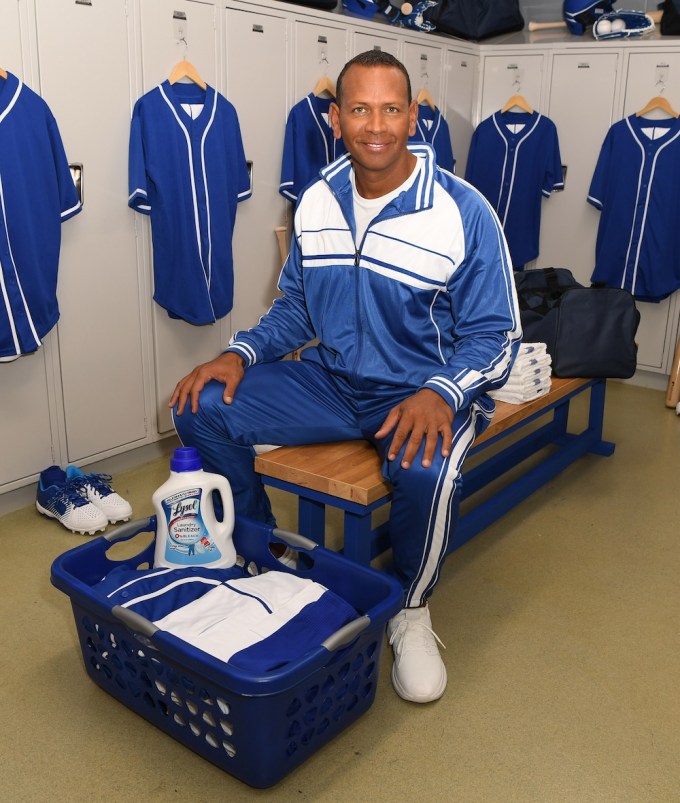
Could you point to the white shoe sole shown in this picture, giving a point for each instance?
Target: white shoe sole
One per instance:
(81, 530)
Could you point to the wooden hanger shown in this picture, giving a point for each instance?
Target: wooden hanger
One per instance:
(324, 84)
(3, 74)
(185, 69)
(424, 96)
(520, 102)
(658, 102)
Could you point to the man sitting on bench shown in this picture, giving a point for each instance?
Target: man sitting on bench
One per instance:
(402, 273)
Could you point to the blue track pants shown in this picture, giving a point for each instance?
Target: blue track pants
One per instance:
(296, 402)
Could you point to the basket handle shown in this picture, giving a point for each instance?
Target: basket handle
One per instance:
(294, 539)
(346, 633)
(136, 623)
(131, 528)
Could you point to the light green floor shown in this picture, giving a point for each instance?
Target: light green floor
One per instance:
(562, 627)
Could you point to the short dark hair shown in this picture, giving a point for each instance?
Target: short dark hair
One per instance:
(372, 58)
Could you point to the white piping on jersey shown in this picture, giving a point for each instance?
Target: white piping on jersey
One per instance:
(324, 139)
(70, 211)
(159, 592)
(650, 182)
(10, 316)
(139, 579)
(197, 225)
(504, 216)
(15, 97)
(207, 195)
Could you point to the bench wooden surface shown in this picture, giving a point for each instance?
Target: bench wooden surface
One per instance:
(350, 470)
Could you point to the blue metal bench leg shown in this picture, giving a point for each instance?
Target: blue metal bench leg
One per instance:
(358, 538)
(312, 520)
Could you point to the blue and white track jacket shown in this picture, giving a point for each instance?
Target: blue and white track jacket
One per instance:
(427, 300)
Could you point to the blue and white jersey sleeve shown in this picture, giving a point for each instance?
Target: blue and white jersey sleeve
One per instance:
(597, 193)
(137, 179)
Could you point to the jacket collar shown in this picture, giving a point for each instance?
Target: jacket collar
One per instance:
(419, 196)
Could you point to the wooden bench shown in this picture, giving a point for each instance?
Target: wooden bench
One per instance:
(347, 475)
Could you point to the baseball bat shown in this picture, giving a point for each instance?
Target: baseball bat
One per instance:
(673, 392)
(540, 26)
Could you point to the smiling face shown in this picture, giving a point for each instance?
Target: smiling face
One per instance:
(375, 120)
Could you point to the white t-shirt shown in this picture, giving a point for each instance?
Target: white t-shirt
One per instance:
(365, 209)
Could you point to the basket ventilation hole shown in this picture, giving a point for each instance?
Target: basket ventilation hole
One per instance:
(91, 644)
(87, 624)
(206, 698)
(344, 671)
(229, 749)
(164, 708)
(370, 650)
(162, 688)
(294, 707)
(366, 691)
(307, 736)
(148, 699)
(370, 669)
(310, 716)
(323, 725)
(195, 729)
(311, 693)
(209, 719)
(294, 729)
(193, 708)
(325, 705)
(227, 727)
(328, 685)
(176, 699)
(112, 639)
(179, 719)
(352, 702)
(357, 663)
(223, 705)
(211, 740)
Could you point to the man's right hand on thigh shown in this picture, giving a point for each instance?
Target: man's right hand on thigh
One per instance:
(228, 369)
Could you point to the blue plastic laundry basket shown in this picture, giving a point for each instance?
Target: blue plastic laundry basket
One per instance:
(257, 728)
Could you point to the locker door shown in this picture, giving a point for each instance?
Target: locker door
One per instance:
(424, 65)
(85, 79)
(319, 50)
(582, 98)
(504, 76)
(361, 42)
(651, 74)
(257, 48)
(461, 85)
(25, 421)
(179, 346)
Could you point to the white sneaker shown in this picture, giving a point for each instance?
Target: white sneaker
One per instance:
(96, 489)
(418, 674)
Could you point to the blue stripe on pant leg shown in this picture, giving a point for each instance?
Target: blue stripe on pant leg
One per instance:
(425, 506)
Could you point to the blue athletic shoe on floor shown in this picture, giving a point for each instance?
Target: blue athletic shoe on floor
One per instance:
(58, 499)
(95, 488)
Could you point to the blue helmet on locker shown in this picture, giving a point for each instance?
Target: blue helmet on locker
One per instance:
(579, 14)
(362, 8)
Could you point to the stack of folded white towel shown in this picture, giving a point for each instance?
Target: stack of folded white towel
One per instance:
(530, 376)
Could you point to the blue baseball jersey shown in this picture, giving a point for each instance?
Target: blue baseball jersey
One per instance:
(636, 186)
(256, 623)
(515, 161)
(189, 173)
(433, 128)
(37, 193)
(308, 145)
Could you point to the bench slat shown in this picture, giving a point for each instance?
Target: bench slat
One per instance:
(350, 470)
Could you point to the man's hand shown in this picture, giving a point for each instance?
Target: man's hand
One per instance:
(423, 415)
(227, 368)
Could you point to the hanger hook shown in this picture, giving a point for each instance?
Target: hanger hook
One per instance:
(186, 46)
